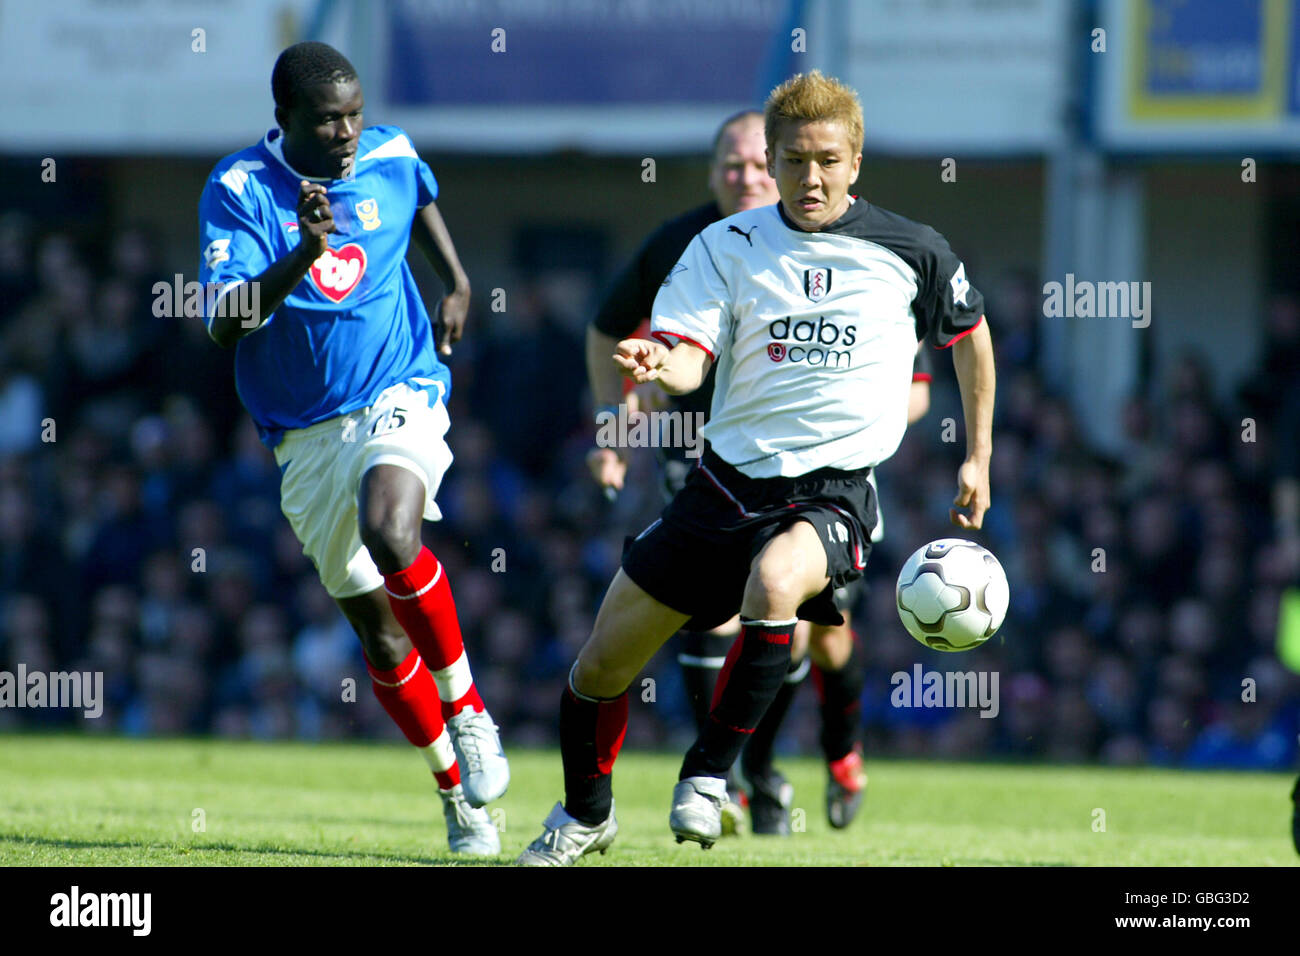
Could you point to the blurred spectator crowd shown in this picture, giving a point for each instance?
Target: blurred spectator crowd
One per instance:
(140, 536)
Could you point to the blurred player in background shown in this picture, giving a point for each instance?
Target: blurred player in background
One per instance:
(812, 309)
(739, 181)
(336, 361)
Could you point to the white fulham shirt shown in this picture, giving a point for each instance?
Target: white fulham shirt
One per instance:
(814, 333)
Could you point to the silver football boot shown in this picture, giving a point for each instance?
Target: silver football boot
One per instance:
(565, 840)
(485, 774)
(469, 830)
(697, 810)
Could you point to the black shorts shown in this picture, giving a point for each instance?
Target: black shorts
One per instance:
(696, 557)
(848, 595)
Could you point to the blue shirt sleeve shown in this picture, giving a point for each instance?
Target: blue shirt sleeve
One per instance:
(234, 247)
(426, 187)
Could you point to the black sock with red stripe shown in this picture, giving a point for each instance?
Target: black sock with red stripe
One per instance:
(591, 733)
(701, 655)
(756, 758)
(750, 680)
(841, 704)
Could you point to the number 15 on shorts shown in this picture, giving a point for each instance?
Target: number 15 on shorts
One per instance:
(389, 421)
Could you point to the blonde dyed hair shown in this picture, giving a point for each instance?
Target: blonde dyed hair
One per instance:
(812, 97)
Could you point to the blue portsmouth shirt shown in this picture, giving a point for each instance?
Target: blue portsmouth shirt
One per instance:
(355, 325)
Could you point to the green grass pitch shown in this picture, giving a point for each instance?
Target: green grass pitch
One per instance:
(110, 801)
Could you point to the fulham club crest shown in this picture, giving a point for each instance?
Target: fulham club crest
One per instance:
(816, 283)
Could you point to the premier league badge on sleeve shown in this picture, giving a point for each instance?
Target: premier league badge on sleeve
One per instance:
(816, 283)
(960, 285)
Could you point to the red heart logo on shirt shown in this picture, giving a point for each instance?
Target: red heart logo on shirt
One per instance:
(336, 272)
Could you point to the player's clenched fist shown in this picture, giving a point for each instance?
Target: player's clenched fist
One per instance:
(315, 220)
(640, 359)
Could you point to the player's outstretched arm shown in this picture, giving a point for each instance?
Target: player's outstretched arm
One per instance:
(432, 238)
(677, 371)
(315, 223)
(972, 358)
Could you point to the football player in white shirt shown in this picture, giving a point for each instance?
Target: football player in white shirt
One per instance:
(812, 310)
(738, 180)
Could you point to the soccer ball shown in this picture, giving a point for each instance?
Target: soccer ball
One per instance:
(952, 595)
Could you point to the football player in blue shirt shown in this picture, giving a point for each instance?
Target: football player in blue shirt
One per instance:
(304, 238)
